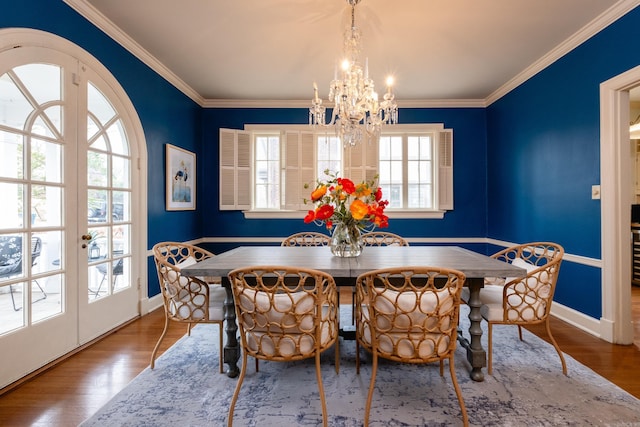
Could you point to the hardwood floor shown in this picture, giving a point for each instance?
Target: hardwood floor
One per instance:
(73, 390)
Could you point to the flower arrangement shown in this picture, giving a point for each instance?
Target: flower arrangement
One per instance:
(339, 200)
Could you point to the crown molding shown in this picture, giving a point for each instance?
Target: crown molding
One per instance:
(94, 16)
(611, 15)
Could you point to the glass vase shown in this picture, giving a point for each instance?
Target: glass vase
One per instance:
(346, 240)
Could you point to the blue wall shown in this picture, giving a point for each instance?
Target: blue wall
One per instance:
(544, 155)
(524, 166)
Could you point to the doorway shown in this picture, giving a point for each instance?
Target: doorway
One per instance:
(70, 222)
(616, 175)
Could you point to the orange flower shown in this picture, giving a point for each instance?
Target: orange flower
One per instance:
(358, 209)
(318, 193)
(362, 190)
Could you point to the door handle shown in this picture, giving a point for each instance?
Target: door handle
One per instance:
(86, 237)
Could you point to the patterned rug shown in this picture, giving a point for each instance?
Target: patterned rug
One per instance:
(527, 388)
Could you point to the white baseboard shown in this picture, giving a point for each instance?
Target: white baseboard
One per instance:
(147, 305)
(579, 320)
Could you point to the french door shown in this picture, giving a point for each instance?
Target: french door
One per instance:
(67, 183)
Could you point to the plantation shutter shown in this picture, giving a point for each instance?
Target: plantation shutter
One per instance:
(445, 169)
(299, 168)
(361, 161)
(235, 169)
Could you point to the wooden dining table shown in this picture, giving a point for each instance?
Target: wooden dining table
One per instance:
(474, 265)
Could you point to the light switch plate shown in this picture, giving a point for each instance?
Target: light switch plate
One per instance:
(595, 192)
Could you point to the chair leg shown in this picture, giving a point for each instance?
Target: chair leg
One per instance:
(520, 332)
(323, 402)
(372, 383)
(232, 406)
(44, 294)
(441, 368)
(13, 301)
(490, 348)
(221, 348)
(337, 345)
(456, 386)
(353, 305)
(557, 347)
(155, 349)
(357, 356)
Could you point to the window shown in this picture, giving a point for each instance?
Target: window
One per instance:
(406, 170)
(413, 164)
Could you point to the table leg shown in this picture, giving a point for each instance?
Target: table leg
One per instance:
(476, 355)
(231, 348)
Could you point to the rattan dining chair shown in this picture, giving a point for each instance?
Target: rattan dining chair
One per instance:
(524, 300)
(409, 315)
(189, 300)
(308, 238)
(285, 314)
(383, 238)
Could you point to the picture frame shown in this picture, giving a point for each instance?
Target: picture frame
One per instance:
(180, 179)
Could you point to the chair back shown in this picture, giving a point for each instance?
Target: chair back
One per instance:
(186, 299)
(10, 255)
(383, 238)
(409, 314)
(528, 299)
(285, 313)
(309, 238)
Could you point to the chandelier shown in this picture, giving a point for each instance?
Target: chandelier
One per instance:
(357, 113)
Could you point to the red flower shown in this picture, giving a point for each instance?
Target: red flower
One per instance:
(324, 212)
(378, 194)
(347, 185)
(310, 217)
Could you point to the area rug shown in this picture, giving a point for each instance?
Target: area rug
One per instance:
(527, 388)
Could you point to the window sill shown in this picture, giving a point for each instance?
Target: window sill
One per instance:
(405, 214)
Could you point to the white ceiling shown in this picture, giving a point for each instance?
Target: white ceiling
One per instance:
(269, 50)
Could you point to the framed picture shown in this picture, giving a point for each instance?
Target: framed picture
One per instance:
(180, 179)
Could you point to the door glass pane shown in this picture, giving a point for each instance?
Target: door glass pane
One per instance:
(117, 139)
(97, 206)
(97, 169)
(99, 105)
(11, 212)
(11, 149)
(16, 106)
(120, 173)
(46, 158)
(121, 206)
(43, 81)
(45, 201)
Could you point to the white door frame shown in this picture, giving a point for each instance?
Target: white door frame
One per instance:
(616, 177)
